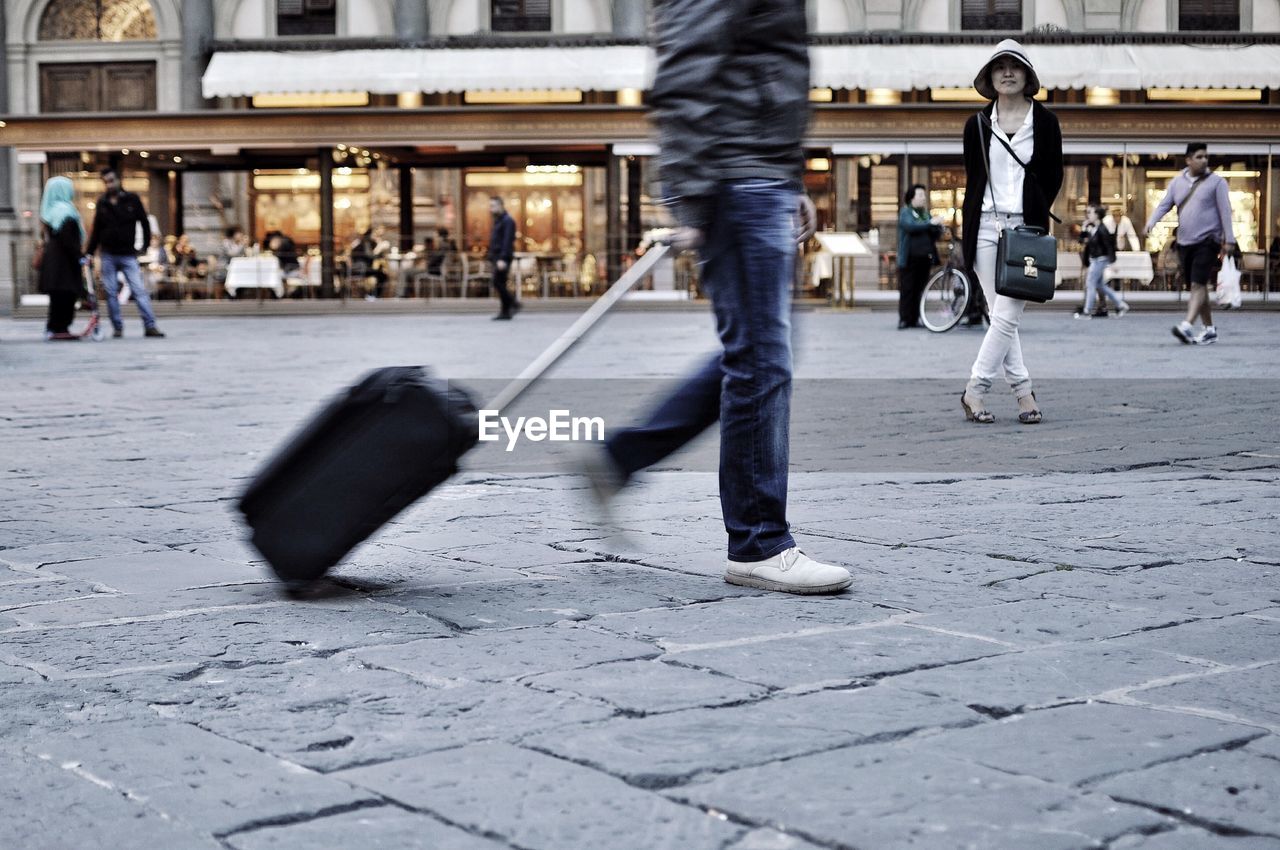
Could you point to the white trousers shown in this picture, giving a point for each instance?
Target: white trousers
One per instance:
(1001, 350)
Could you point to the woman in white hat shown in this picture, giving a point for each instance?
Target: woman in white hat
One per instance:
(1018, 142)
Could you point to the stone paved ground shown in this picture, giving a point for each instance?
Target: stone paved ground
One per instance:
(1059, 637)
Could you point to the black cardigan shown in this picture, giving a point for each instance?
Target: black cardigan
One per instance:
(1039, 189)
(60, 263)
(1100, 243)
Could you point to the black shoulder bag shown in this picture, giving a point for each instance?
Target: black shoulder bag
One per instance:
(1026, 256)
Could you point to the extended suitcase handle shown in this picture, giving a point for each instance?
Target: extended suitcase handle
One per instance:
(579, 329)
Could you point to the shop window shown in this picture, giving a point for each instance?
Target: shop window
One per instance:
(991, 15)
(306, 17)
(521, 15)
(289, 201)
(97, 20)
(545, 201)
(1209, 15)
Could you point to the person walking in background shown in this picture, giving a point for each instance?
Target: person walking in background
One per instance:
(62, 235)
(1018, 143)
(918, 234)
(731, 163)
(502, 240)
(115, 225)
(1126, 234)
(1204, 234)
(1099, 253)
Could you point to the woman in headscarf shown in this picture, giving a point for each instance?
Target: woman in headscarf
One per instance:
(1013, 172)
(63, 238)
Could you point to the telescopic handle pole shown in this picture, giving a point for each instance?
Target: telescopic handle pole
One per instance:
(580, 328)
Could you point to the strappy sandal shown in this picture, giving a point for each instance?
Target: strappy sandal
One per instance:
(1031, 417)
(982, 417)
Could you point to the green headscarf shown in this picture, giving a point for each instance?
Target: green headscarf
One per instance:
(58, 205)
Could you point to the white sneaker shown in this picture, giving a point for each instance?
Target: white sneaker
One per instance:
(1207, 337)
(1184, 333)
(790, 571)
(1122, 309)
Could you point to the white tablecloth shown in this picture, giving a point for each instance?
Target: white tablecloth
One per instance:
(1131, 265)
(254, 273)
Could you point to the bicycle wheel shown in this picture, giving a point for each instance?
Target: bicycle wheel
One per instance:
(944, 300)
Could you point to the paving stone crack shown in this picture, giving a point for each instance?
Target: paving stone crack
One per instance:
(301, 817)
(1224, 830)
(1228, 746)
(1109, 842)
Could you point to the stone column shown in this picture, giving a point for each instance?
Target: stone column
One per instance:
(197, 39)
(201, 221)
(411, 20)
(613, 215)
(8, 219)
(630, 18)
(6, 154)
(326, 223)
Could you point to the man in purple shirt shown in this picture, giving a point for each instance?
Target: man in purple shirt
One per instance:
(1204, 235)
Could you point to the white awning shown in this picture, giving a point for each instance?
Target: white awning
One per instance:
(246, 73)
(887, 66)
(903, 67)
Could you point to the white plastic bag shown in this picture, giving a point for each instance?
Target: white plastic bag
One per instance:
(1229, 284)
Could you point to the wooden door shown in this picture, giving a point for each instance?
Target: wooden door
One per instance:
(98, 87)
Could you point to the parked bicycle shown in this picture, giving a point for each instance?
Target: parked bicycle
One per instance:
(949, 296)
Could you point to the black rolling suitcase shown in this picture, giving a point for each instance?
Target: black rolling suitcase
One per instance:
(376, 449)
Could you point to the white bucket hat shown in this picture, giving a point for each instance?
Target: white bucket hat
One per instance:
(1008, 47)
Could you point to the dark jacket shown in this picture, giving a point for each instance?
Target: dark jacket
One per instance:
(916, 237)
(1039, 189)
(1100, 243)
(115, 225)
(730, 96)
(502, 239)
(60, 263)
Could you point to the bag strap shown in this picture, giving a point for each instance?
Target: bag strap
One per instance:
(1194, 185)
(1025, 169)
(986, 159)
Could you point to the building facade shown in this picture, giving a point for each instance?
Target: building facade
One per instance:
(323, 118)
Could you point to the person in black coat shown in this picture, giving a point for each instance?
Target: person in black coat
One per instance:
(502, 241)
(63, 238)
(1017, 142)
(1098, 253)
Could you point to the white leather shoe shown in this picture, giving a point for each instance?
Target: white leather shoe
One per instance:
(790, 571)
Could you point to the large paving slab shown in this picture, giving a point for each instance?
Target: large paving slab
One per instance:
(1064, 744)
(887, 796)
(537, 801)
(670, 748)
(1057, 637)
(1224, 791)
(51, 805)
(194, 777)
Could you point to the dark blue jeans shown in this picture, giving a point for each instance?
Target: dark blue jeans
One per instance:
(746, 268)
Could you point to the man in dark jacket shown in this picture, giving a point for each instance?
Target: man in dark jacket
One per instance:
(502, 241)
(115, 229)
(731, 104)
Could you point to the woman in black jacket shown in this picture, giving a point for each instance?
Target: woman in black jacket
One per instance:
(1013, 170)
(1099, 252)
(63, 241)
